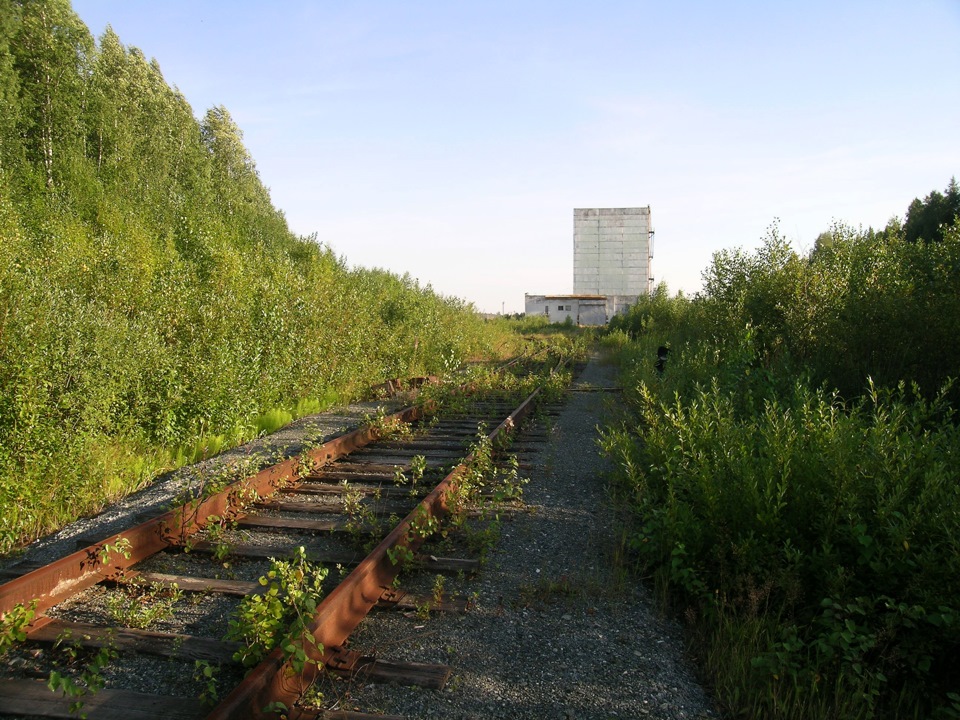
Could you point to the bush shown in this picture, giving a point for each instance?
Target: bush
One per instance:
(154, 306)
(805, 515)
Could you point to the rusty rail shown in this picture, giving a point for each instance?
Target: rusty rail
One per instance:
(274, 680)
(53, 583)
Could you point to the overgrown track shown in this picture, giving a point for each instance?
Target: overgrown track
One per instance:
(300, 502)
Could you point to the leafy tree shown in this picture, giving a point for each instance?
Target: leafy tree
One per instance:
(50, 50)
(233, 168)
(10, 145)
(113, 112)
(929, 219)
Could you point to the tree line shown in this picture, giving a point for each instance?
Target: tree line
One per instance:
(152, 297)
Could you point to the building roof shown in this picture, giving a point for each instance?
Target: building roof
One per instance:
(567, 297)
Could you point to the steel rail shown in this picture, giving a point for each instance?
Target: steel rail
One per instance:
(336, 618)
(46, 586)
(274, 681)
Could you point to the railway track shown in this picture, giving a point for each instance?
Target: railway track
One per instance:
(349, 518)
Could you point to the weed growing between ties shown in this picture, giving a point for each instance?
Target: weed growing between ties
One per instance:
(278, 617)
(472, 523)
(139, 604)
(484, 485)
(489, 478)
(418, 468)
(474, 476)
(363, 522)
(207, 676)
(13, 626)
(811, 539)
(388, 427)
(80, 672)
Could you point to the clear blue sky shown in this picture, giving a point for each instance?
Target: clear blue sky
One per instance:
(452, 140)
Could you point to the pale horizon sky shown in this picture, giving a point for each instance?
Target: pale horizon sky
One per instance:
(453, 140)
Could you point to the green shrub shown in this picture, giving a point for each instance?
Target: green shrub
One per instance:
(154, 306)
(805, 515)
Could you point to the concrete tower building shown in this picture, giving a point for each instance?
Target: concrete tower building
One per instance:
(612, 267)
(612, 251)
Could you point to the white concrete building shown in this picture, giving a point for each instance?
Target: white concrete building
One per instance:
(612, 251)
(580, 309)
(612, 267)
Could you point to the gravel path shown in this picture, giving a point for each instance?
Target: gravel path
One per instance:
(555, 633)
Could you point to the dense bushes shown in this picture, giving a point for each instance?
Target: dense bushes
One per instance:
(153, 303)
(793, 472)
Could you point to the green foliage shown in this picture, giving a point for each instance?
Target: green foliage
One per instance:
(121, 547)
(363, 524)
(477, 472)
(400, 555)
(208, 676)
(929, 219)
(13, 626)
(841, 520)
(80, 673)
(272, 420)
(216, 532)
(811, 533)
(279, 616)
(546, 367)
(654, 314)
(139, 604)
(154, 306)
(862, 305)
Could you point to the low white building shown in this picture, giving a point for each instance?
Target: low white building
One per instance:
(579, 309)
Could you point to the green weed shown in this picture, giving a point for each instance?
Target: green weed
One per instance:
(278, 617)
(13, 626)
(140, 605)
(81, 673)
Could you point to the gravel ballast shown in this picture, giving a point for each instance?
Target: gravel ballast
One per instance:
(555, 631)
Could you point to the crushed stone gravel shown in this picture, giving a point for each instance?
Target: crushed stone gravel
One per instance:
(555, 630)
